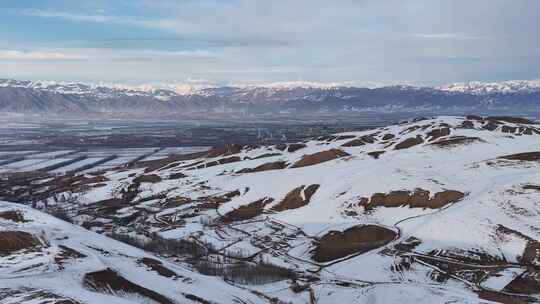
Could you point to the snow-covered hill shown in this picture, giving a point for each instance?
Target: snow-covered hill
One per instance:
(439, 210)
(46, 260)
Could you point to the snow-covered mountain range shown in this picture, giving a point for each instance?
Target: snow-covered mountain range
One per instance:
(293, 97)
(438, 210)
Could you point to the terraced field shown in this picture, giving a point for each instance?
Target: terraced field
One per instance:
(81, 161)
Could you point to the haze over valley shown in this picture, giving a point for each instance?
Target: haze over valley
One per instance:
(269, 152)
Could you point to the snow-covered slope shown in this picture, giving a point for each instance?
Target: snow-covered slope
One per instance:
(46, 260)
(440, 210)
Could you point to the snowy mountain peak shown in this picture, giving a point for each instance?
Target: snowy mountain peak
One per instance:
(480, 88)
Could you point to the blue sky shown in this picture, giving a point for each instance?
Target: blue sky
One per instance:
(254, 41)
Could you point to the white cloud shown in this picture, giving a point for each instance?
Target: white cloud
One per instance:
(103, 54)
(457, 36)
(38, 55)
(173, 25)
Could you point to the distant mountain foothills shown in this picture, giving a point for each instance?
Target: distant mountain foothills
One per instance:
(29, 97)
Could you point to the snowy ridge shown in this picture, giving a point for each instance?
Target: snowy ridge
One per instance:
(166, 90)
(296, 98)
(482, 88)
(434, 210)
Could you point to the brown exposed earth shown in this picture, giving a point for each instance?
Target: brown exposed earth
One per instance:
(13, 215)
(109, 281)
(510, 119)
(354, 143)
(171, 161)
(246, 212)
(527, 283)
(12, 241)
(376, 154)
(266, 167)
(436, 133)
(34, 296)
(531, 187)
(528, 156)
(178, 175)
(388, 136)
(456, 141)
(409, 142)
(418, 198)
(355, 240)
(294, 200)
(149, 178)
(295, 147)
(221, 161)
(363, 140)
(531, 255)
(67, 254)
(158, 267)
(499, 297)
(319, 157)
(224, 151)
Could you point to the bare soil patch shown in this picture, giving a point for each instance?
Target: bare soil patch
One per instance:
(508, 129)
(295, 147)
(510, 119)
(531, 187)
(409, 142)
(13, 241)
(528, 156)
(278, 165)
(178, 175)
(358, 239)
(527, 283)
(319, 157)
(109, 281)
(436, 133)
(419, 198)
(149, 178)
(14, 216)
(66, 254)
(31, 295)
(354, 143)
(224, 151)
(295, 199)
(248, 211)
(363, 140)
(158, 267)
(456, 141)
(221, 161)
(171, 161)
(388, 136)
(376, 154)
(467, 124)
(531, 255)
(499, 297)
